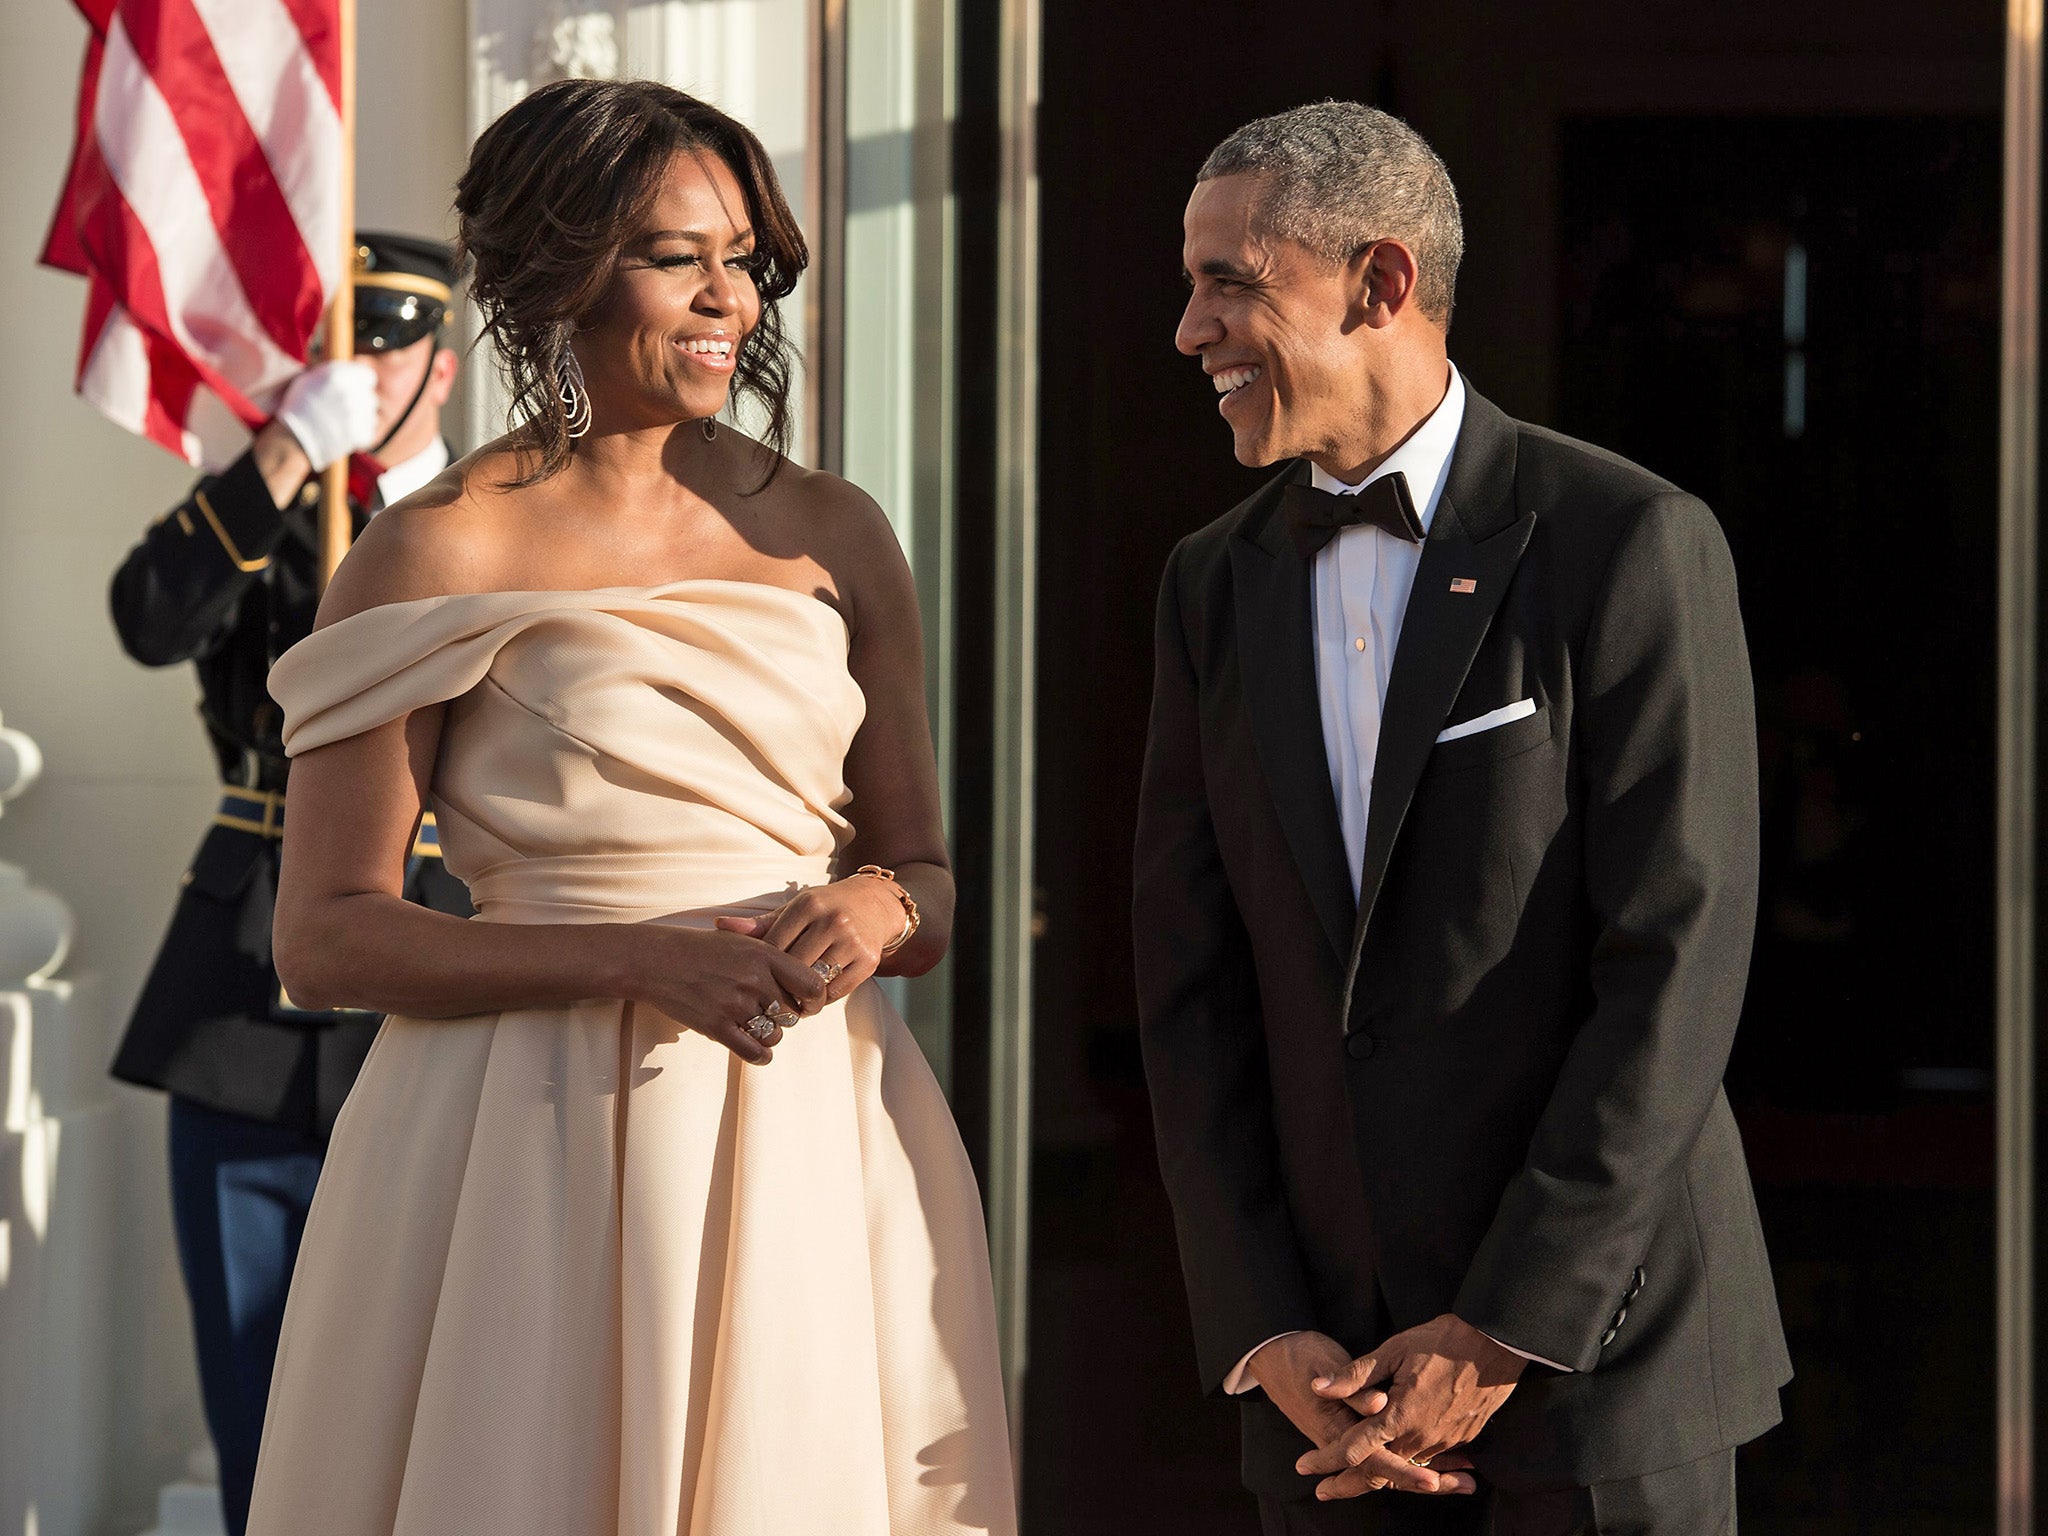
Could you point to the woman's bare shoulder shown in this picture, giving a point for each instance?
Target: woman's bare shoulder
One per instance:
(455, 534)
(849, 534)
(840, 520)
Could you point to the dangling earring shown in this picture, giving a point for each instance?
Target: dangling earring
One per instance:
(572, 392)
(710, 429)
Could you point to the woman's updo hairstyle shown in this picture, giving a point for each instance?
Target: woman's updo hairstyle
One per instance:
(554, 190)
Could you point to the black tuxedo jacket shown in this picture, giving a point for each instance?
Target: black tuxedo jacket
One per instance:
(1491, 1084)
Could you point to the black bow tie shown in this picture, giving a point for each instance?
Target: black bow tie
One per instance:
(1314, 516)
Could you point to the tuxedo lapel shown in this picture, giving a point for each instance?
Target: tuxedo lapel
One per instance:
(1475, 542)
(1276, 655)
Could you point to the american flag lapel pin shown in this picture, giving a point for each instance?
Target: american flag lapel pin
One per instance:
(1464, 584)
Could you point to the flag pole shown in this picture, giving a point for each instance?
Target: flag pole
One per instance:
(337, 527)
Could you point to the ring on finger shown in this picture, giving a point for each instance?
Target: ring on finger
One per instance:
(781, 1016)
(828, 970)
(1420, 1461)
(760, 1026)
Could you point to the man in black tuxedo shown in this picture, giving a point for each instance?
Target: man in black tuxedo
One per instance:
(1445, 881)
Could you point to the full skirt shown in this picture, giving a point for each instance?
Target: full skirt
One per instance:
(579, 1271)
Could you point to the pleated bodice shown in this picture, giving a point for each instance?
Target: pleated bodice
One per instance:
(649, 749)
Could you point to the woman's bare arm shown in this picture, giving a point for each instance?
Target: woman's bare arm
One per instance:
(891, 768)
(345, 935)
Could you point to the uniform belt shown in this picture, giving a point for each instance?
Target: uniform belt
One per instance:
(261, 811)
(251, 810)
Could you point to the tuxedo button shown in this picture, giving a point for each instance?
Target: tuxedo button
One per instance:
(1360, 1045)
(1607, 1338)
(1621, 1315)
(1635, 1284)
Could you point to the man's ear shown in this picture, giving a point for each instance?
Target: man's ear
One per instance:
(441, 376)
(1384, 273)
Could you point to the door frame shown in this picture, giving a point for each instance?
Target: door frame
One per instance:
(2018, 860)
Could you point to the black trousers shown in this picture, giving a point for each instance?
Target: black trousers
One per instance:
(1697, 1499)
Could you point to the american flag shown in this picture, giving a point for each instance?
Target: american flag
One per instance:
(203, 207)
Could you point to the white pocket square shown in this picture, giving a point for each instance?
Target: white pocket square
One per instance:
(1507, 714)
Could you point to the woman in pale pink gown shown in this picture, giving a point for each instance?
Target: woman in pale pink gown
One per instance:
(646, 1216)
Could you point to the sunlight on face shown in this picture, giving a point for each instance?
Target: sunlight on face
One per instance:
(399, 376)
(663, 346)
(1271, 322)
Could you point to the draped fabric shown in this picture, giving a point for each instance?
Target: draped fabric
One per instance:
(577, 1270)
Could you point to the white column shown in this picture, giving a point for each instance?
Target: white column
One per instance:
(58, 1156)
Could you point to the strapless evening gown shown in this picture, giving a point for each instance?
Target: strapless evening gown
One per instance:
(576, 1270)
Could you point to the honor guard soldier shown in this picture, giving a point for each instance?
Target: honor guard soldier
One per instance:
(229, 580)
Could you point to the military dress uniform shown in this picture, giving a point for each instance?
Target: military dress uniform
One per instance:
(229, 581)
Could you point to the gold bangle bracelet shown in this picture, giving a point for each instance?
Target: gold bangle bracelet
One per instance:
(876, 872)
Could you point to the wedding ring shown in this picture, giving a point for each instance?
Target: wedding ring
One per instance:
(760, 1026)
(828, 970)
(1420, 1461)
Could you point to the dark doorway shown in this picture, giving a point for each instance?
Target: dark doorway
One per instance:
(1798, 320)
(1644, 190)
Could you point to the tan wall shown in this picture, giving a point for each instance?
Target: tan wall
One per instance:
(127, 786)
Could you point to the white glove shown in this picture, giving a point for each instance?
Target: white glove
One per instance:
(331, 409)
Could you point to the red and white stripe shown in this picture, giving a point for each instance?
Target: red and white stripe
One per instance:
(204, 209)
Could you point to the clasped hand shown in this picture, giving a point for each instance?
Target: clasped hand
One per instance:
(778, 966)
(1408, 1406)
(840, 928)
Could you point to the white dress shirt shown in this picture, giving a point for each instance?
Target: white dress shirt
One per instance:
(402, 479)
(1360, 585)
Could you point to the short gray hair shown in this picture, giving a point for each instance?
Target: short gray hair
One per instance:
(1340, 176)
